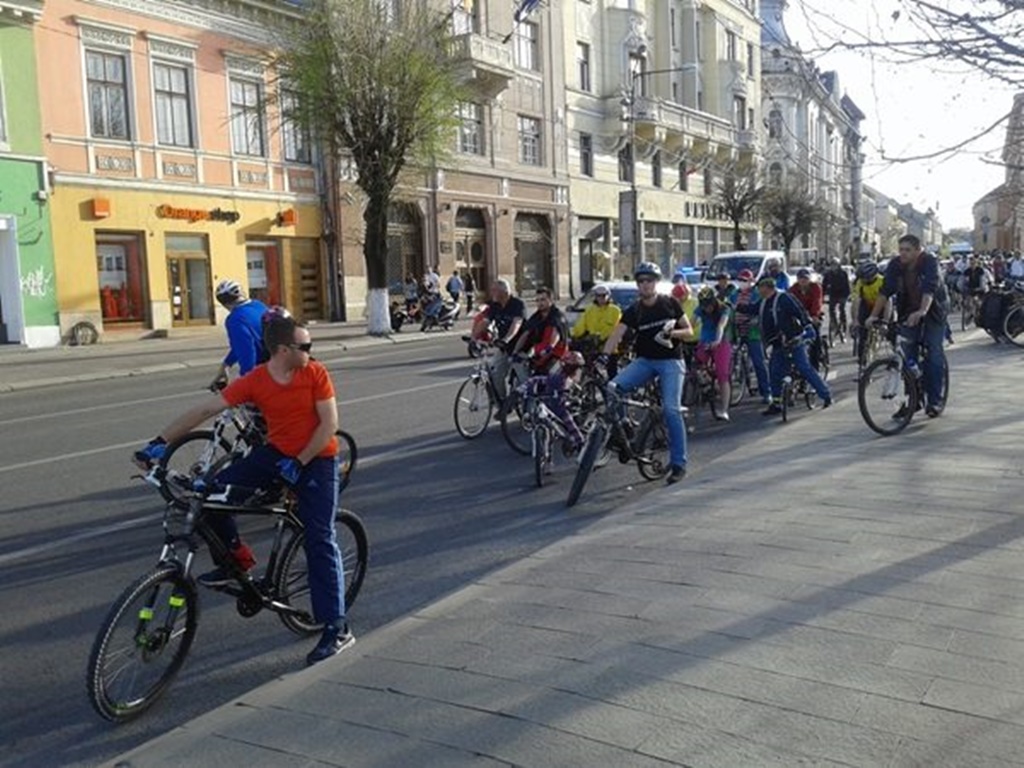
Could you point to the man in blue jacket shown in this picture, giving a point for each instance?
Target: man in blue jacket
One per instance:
(244, 326)
(913, 284)
(785, 329)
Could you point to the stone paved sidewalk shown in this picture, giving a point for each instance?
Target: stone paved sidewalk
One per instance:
(818, 597)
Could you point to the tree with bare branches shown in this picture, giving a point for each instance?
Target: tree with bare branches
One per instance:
(376, 82)
(738, 192)
(789, 212)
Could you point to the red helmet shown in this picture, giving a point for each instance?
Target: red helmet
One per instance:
(745, 275)
(681, 290)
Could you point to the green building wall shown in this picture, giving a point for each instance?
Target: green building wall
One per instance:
(22, 179)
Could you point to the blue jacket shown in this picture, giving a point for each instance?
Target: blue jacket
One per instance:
(245, 336)
(782, 318)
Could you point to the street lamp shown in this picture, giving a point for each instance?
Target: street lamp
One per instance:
(629, 202)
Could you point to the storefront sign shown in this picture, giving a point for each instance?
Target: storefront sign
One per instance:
(194, 215)
(287, 218)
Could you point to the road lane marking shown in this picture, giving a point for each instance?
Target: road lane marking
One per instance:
(91, 533)
(142, 440)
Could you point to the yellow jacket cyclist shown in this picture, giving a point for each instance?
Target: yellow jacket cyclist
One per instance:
(600, 318)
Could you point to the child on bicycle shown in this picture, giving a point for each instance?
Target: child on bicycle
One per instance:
(554, 387)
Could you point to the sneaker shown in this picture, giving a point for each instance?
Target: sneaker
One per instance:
(676, 473)
(772, 410)
(218, 577)
(722, 415)
(333, 641)
(933, 411)
(826, 403)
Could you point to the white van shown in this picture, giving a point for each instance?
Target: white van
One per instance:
(735, 262)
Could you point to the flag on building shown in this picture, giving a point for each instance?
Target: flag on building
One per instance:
(524, 8)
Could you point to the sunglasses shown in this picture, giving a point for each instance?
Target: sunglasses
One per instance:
(302, 347)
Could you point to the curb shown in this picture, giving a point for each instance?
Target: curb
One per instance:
(344, 343)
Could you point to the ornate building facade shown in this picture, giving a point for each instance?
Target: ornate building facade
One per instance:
(999, 215)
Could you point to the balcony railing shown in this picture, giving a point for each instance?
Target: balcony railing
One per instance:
(486, 62)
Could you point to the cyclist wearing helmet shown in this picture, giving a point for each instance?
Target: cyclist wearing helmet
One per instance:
(681, 292)
(714, 315)
(244, 326)
(749, 332)
(809, 294)
(600, 318)
(867, 290)
(553, 388)
(659, 326)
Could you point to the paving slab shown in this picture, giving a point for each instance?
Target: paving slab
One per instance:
(818, 597)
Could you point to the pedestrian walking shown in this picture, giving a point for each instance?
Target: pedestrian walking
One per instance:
(470, 287)
(455, 286)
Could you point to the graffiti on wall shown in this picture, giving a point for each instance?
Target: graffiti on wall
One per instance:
(37, 284)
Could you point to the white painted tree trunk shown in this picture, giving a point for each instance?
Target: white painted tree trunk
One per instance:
(378, 312)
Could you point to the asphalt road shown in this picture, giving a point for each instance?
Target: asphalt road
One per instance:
(75, 529)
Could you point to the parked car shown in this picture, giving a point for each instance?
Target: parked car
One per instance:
(624, 293)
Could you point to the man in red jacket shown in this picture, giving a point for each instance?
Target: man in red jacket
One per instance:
(811, 298)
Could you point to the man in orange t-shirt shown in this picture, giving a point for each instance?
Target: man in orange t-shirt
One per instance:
(296, 397)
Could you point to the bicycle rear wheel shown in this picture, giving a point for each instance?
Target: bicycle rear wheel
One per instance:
(738, 379)
(591, 449)
(541, 439)
(347, 455)
(654, 449)
(516, 423)
(1013, 326)
(966, 312)
(473, 407)
(787, 399)
(142, 644)
(186, 459)
(887, 396)
(291, 580)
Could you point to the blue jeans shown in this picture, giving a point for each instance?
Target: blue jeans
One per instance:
(779, 366)
(933, 335)
(756, 351)
(670, 377)
(317, 494)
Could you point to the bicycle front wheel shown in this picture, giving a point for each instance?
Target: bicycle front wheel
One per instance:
(347, 455)
(738, 380)
(966, 313)
(588, 457)
(887, 396)
(787, 398)
(1013, 326)
(291, 582)
(541, 441)
(516, 423)
(186, 459)
(473, 407)
(142, 644)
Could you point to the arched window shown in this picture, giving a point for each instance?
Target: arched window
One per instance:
(775, 124)
(775, 175)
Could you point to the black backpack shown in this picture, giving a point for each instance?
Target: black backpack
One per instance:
(992, 310)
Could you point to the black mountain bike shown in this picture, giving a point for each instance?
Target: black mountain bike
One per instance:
(634, 428)
(150, 628)
(890, 391)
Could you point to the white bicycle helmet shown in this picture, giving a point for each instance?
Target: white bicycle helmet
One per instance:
(228, 291)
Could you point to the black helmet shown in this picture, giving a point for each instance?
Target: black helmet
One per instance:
(867, 271)
(648, 268)
(707, 293)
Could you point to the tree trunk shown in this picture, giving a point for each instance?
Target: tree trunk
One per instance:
(375, 253)
(737, 238)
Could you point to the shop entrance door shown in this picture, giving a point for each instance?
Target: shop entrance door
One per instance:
(189, 282)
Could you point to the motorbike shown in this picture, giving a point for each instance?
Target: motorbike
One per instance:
(439, 312)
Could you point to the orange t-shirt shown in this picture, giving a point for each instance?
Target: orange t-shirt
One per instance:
(290, 409)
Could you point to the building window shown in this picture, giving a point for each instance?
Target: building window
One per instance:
(637, 73)
(750, 119)
(3, 112)
(684, 177)
(750, 59)
(675, 93)
(709, 181)
(247, 118)
(739, 112)
(526, 54)
(121, 269)
(263, 268)
(700, 43)
(107, 84)
(586, 154)
(583, 65)
(775, 175)
(731, 50)
(529, 140)
(656, 169)
(775, 124)
(700, 101)
(626, 163)
(297, 141)
(672, 26)
(171, 92)
(471, 128)
(465, 19)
